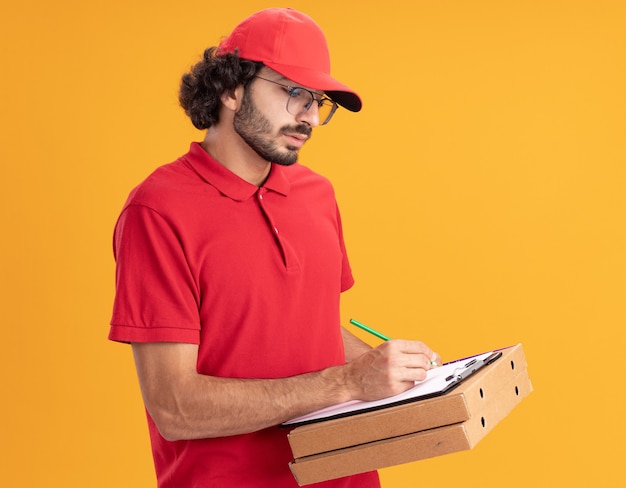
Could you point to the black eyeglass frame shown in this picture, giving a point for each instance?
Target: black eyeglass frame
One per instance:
(291, 90)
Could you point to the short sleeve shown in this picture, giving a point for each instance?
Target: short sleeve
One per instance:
(347, 280)
(156, 297)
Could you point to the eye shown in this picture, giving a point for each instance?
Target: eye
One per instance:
(295, 92)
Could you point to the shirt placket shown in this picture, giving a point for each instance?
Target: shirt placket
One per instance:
(289, 260)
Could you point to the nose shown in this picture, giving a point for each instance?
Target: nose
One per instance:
(310, 117)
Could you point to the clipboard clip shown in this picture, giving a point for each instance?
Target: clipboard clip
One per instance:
(469, 368)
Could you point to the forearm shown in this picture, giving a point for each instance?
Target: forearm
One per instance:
(187, 405)
(197, 406)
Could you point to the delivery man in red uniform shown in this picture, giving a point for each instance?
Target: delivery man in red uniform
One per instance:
(230, 265)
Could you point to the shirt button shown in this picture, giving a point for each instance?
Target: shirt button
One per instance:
(260, 196)
(275, 230)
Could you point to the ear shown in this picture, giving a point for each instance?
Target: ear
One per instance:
(232, 100)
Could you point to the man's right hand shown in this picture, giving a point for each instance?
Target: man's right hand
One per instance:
(389, 369)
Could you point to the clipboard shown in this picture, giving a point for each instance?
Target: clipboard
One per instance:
(438, 382)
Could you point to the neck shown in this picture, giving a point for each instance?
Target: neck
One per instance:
(228, 149)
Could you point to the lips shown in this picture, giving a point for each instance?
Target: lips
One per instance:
(296, 140)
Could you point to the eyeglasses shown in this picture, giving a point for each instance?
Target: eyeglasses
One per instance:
(300, 100)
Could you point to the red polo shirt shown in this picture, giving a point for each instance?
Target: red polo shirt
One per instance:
(253, 275)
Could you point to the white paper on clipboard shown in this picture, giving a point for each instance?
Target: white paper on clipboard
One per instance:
(438, 382)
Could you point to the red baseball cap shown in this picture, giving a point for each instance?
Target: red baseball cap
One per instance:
(292, 44)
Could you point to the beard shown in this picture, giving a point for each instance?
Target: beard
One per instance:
(255, 129)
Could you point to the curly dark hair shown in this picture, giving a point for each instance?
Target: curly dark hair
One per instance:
(208, 80)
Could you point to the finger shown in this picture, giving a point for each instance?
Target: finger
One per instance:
(419, 357)
(416, 361)
(416, 374)
(435, 360)
(411, 347)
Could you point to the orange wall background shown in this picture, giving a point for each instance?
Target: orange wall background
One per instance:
(482, 191)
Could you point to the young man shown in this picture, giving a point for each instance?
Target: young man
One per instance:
(230, 264)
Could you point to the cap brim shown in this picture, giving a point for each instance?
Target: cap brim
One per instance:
(346, 99)
(317, 80)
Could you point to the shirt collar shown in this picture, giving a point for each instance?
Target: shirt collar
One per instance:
(227, 182)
